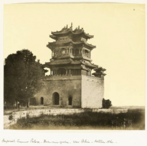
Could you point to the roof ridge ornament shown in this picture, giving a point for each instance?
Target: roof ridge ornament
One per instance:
(71, 25)
(76, 31)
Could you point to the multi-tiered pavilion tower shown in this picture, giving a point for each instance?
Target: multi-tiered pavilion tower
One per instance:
(70, 83)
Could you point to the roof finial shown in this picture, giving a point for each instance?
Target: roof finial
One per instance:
(71, 25)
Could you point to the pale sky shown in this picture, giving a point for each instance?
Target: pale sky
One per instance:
(119, 37)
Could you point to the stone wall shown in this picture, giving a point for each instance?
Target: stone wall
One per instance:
(86, 91)
(113, 111)
(92, 92)
(65, 86)
(13, 118)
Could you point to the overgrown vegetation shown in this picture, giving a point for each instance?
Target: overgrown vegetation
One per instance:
(134, 119)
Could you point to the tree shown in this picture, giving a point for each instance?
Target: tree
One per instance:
(21, 76)
(106, 103)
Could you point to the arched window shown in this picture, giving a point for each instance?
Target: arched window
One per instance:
(70, 100)
(63, 51)
(86, 53)
(41, 101)
(55, 98)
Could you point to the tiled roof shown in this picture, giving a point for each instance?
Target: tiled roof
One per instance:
(66, 30)
(74, 43)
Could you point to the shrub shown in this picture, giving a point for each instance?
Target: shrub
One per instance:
(106, 103)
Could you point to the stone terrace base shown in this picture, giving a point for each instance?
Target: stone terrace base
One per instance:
(12, 119)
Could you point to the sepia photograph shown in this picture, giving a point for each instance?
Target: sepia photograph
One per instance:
(74, 66)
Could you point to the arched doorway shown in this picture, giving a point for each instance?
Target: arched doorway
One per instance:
(70, 100)
(55, 98)
(41, 100)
